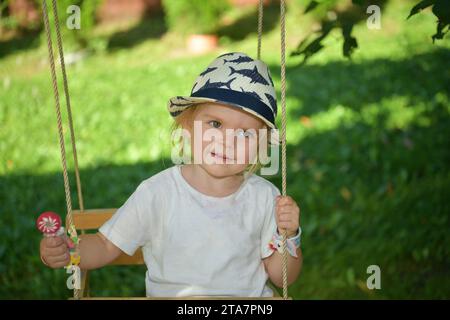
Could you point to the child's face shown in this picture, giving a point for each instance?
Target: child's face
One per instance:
(229, 139)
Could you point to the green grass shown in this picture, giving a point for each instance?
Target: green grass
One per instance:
(368, 153)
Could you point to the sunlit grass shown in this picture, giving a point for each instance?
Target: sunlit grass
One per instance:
(367, 152)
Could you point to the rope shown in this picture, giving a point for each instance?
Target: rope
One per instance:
(69, 109)
(72, 131)
(59, 122)
(69, 115)
(260, 26)
(283, 136)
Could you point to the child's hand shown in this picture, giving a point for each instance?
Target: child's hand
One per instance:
(287, 215)
(55, 252)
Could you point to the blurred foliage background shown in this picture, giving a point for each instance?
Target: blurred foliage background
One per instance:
(368, 137)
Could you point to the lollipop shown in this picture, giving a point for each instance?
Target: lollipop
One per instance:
(49, 223)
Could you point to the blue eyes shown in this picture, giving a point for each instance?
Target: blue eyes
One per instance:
(239, 132)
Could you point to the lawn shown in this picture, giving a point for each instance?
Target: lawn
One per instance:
(368, 151)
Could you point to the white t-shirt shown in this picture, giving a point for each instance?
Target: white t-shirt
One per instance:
(194, 244)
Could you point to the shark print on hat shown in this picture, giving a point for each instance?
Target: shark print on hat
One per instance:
(272, 101)
(240, 59)
(208, 71)
(253, 93)
(252, 74)
(237, 80)
(209, 85)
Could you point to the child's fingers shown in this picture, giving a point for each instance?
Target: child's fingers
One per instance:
(53, 242)
(59, 258)
(59, 261)
(283, 204)
(284, 200)
(288, 205)
(287, 209)
(286, 217)
(54, 252)
(62, 247)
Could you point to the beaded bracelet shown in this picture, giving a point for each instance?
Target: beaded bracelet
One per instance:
(291, 243)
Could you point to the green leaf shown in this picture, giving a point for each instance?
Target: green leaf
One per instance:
(441, 10)
(350, 42)
(311, 6)
(440, 33)
(420, 6)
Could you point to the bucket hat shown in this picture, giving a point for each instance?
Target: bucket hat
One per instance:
(237, 80)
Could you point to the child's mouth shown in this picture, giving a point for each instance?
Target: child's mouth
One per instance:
(219, 156)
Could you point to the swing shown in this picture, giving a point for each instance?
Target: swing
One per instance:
(91, 219)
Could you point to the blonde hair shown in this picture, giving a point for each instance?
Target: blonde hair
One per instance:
(185, 121)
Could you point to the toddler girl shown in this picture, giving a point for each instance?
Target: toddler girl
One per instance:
(209, 226)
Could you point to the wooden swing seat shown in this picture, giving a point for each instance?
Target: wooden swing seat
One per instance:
(93, 219)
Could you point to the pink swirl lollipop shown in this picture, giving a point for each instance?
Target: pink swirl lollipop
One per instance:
(49, 223)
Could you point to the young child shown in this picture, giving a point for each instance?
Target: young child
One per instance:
(209, 227)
